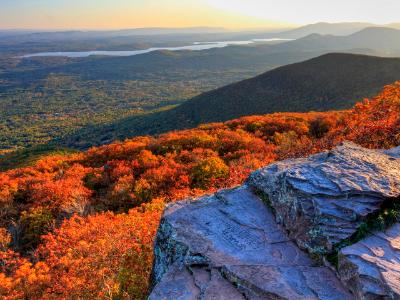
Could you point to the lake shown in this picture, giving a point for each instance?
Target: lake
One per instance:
(198, 46)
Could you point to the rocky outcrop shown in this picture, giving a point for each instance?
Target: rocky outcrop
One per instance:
(229, 246)
(323, 199)
(371, 267)
(253, 242)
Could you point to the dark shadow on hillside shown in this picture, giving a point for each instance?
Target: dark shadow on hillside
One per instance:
(148, 124)
(329, 82)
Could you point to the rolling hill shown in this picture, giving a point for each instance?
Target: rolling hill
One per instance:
(385, 41)
(80, 97)
(394, 25)
(25, 42)
(331, 81)
(324, 28)
(186, 34)
(53, 196)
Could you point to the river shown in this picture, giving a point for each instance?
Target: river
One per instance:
(194, 47)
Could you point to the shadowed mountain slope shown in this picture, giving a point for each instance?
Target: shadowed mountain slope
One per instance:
(332, 81)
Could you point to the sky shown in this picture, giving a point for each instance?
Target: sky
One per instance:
(114, 14)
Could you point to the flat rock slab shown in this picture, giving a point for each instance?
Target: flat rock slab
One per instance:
(371, 267)
(271, 282)
(182, 283)
(228, 246)
(323, 199)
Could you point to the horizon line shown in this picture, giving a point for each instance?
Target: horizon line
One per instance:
(184, 27)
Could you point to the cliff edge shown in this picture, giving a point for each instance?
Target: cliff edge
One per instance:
(298, 229)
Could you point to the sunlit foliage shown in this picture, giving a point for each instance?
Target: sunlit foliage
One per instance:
(82, 226)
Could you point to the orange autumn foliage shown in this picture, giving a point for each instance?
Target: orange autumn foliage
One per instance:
(83, 224)
(103, 256)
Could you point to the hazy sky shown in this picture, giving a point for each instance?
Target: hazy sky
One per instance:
(181, 13)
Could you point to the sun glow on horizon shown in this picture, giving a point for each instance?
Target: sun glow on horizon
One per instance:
(312, 11)
(118, 14)
(251, 8)
(235, 14)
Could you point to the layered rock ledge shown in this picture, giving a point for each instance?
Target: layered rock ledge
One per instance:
(371, 267)
(228, 246)
(323, 199)
(255, 241)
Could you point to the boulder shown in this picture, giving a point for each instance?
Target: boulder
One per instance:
(228, 246)
(323, 199)
(371, 267)
(251, 242)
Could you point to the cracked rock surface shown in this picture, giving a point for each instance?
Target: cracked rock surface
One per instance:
(371, 267)
(248, 243)
(323, 199)
(228, 246)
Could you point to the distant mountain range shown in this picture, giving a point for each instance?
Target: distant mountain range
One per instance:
(329, 82)
(377, 41)
(394, 25)
(112, 33)
(382, 40)
(189, 34)
(325, 28)
(341, 80)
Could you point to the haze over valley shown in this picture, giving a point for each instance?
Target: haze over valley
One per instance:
(199, 149)
(45, 98)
